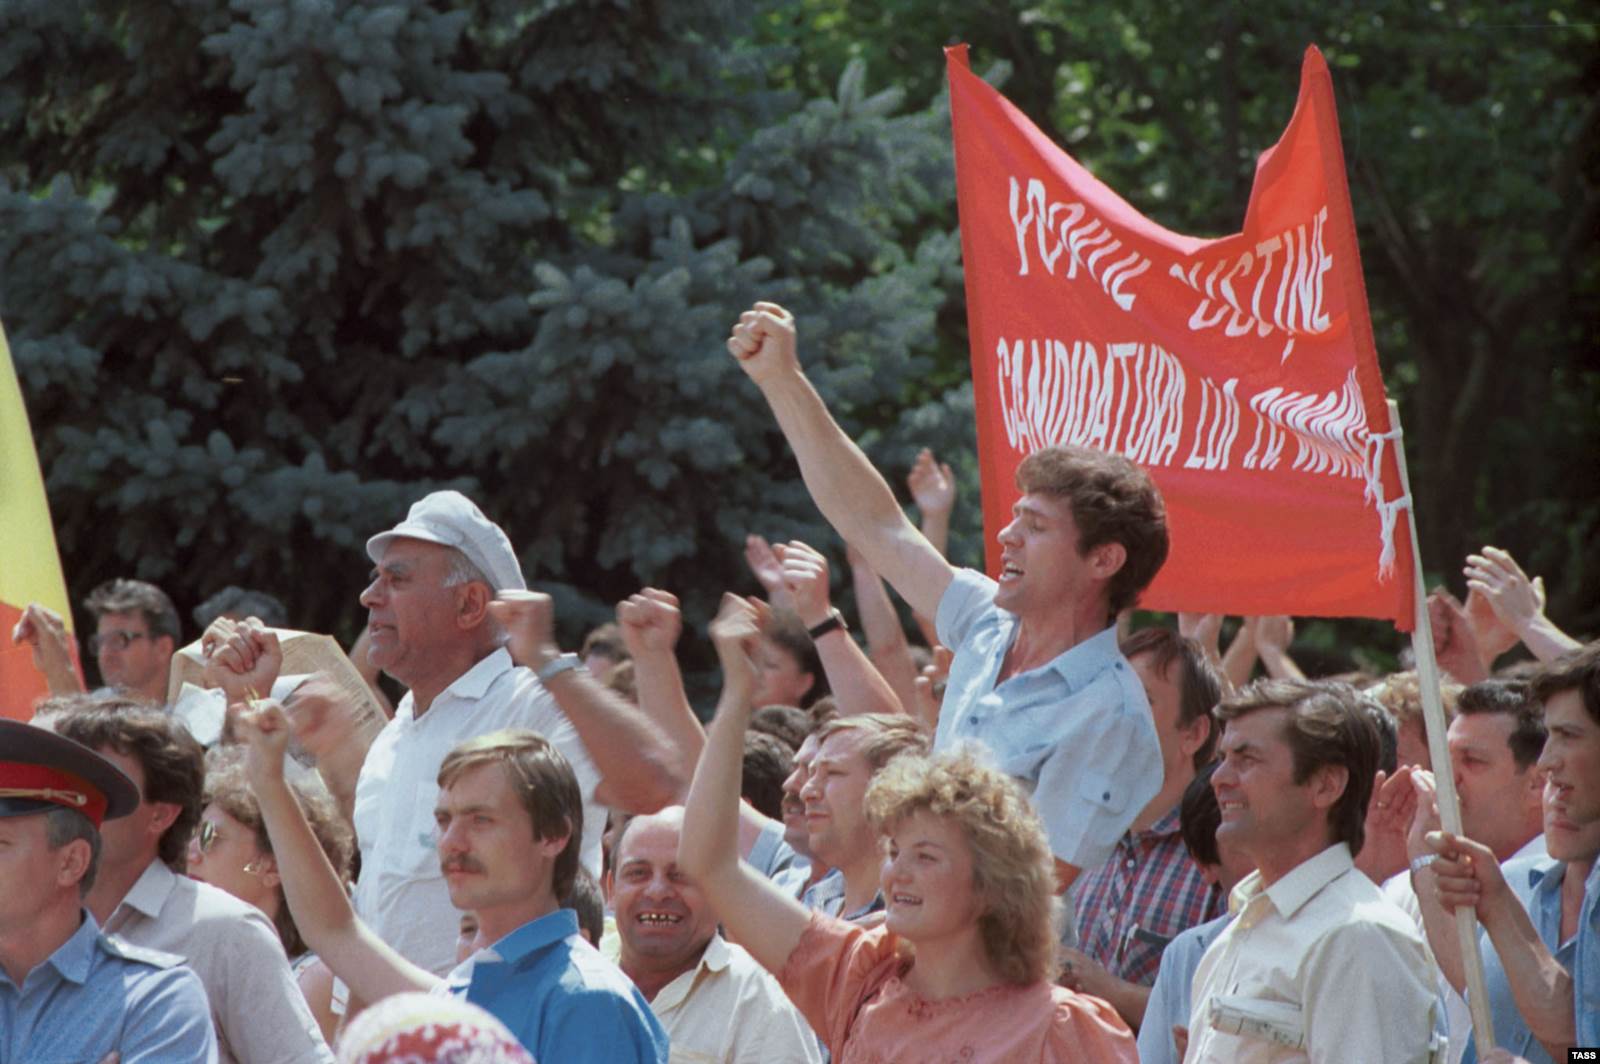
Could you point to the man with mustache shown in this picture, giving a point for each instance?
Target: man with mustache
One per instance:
(509, 824)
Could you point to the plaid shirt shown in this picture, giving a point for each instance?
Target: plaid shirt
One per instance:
(1147, 892)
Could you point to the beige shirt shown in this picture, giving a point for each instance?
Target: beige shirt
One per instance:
(1322, 955)
(256, 1007)
(728, 1009)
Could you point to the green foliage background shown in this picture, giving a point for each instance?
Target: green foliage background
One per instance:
(274, 268)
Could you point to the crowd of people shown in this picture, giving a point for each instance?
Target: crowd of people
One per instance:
(1041, 836)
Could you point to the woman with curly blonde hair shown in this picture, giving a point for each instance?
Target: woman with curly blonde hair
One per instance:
(960, 969)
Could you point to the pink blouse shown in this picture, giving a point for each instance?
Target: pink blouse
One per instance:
(847, 982)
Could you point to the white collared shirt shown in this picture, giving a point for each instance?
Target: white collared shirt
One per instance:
(1324, 948)
(401, 894)
(260, 1015)
(728, 1009)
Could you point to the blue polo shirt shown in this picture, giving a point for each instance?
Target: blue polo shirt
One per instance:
(1077, 731)
(95, 994)
(561, 998)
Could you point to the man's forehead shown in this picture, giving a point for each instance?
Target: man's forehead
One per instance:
(1478, 728)
(1565, 708)
(478, 785)
(409, 552)
(1044, 505)
(1263, 727)
(847, 744)
(130, 621)
(659, 831)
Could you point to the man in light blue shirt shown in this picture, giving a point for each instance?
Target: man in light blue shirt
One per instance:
(1558, 1000)
(1037, 676)
(66, 991)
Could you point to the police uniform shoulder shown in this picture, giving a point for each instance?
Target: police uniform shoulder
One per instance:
(127, 951)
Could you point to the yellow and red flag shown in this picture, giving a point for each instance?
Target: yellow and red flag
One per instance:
(1240, 371)
(30, 567)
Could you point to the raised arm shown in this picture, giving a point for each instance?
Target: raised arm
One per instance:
(851, 494)
(1412, 790)
(887, 647)
(1272, 637)
(316, 897)
(43, 629)
(242, 658)
(641, 769)
(1466, 873)
(856, 683)
(1519, 602)
(651, 623)
(757, 915)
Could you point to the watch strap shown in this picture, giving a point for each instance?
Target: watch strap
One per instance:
(558, 665)
(835, 622)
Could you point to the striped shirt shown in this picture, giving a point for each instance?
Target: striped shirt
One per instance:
(1148, 891)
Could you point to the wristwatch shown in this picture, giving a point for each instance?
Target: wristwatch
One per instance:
(558, 665)
(834, 622)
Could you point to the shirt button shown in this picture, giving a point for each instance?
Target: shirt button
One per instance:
(1106, 797)
(972, 721)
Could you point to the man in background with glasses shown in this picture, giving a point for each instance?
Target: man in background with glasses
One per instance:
(136, 634)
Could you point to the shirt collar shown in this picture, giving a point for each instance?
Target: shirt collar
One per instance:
(1082, 663)
(1167, 824)
(1539, 873)
(73, 958)
(714, 958)
(150, 891)
(1299, 886)
(469, 686)
(536, 935)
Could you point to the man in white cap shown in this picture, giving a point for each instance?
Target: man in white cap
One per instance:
(450, 616)
(435, 625)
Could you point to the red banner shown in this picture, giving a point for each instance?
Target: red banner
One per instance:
(1240, 371)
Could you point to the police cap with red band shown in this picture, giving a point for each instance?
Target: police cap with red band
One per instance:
(40, 771)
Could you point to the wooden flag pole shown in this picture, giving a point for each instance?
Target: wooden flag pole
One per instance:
(1439, 753)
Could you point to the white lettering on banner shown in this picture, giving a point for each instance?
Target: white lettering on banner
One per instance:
(1058, 227)
(1129, 398)
(1330, 430)
(1288, 294)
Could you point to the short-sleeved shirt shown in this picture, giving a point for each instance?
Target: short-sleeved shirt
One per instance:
(1330, 958)
(1146, 893)
(1537, 884)
(770, 854)
(561, 998)
(401, 893)
(826, 895)
(1168, 1006)
(729, 1009)
(1077, 731)
(849, 984)
(261, 1017)
(1586, 963)
(95, 995)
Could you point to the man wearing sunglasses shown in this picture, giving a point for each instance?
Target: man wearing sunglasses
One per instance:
(136, 634)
